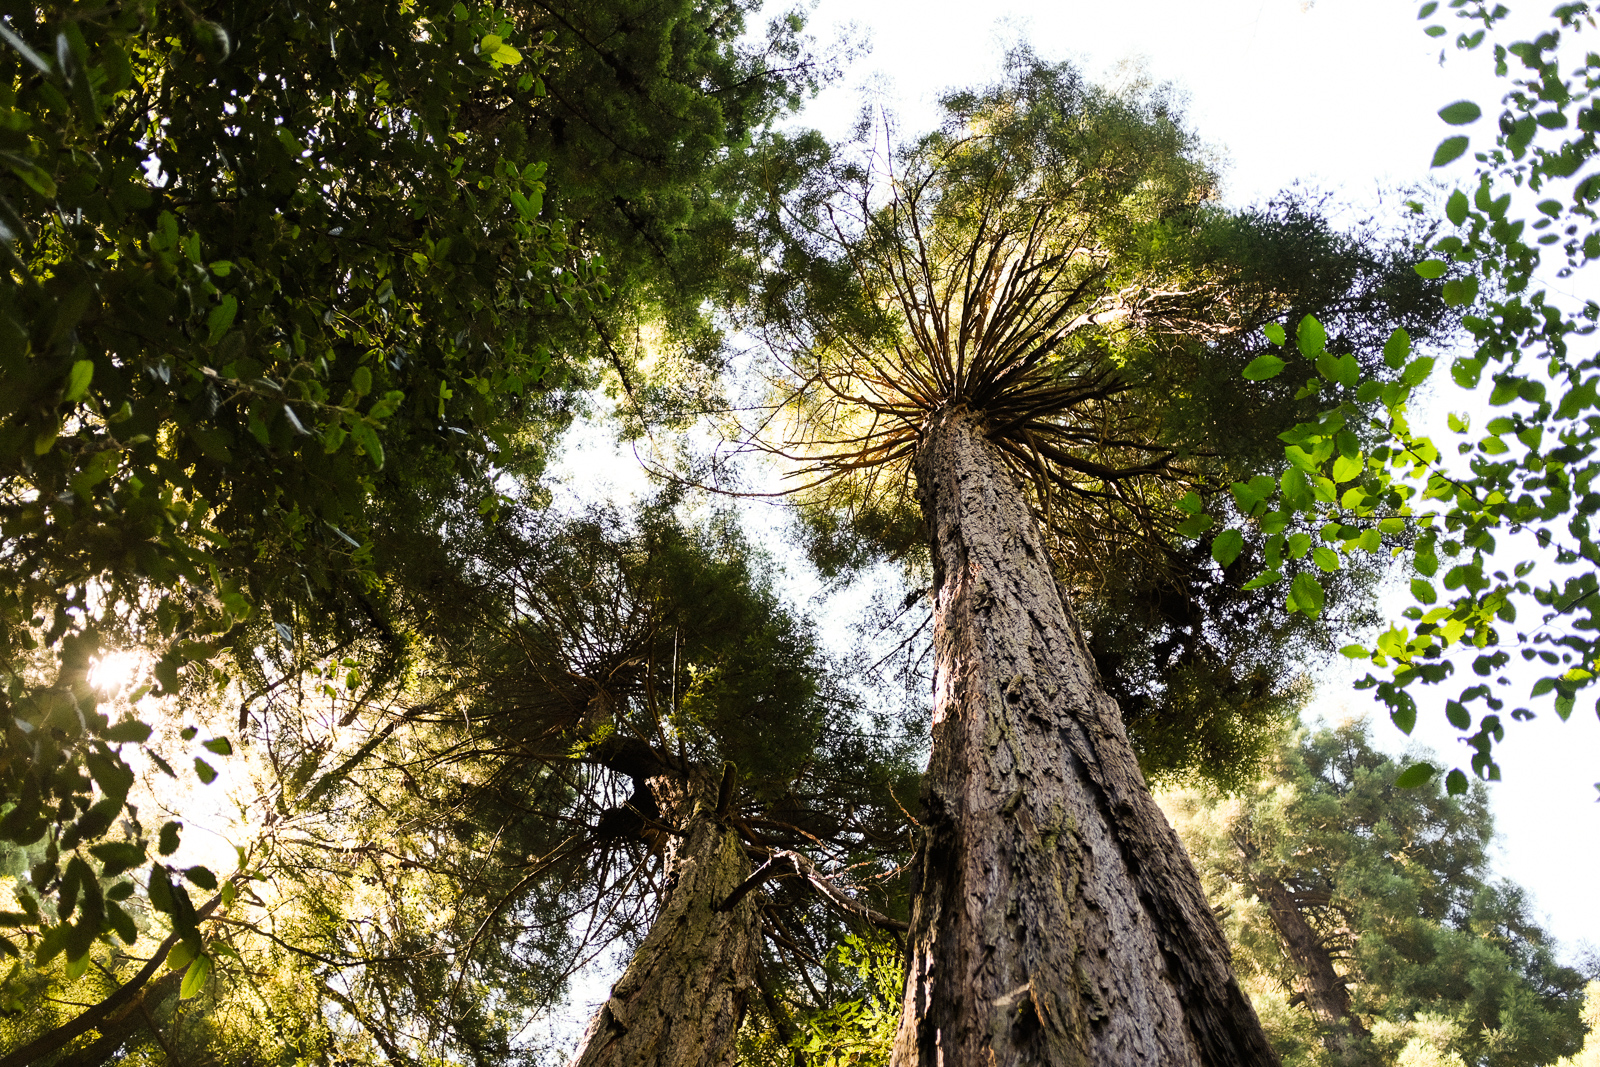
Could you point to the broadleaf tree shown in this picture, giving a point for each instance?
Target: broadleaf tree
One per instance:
(1480, 595)
(284, 296)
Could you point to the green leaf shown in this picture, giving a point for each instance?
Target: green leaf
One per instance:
(221, 317)
(1430, 269)
(220, 745)
(367, 439)
(97, 820)
(1227, 545)
(195, 978)
(1341, 369)
(1404, 715)
(1398, 347)
(202, 877)
(1325, 558)
(206, 772)
(1263, 367)
(1422, 590)
(1461, 113)
(78, 380)
(1460, 291)
(1252, 496)
(1306, 595)
(129, 730)
(160, 889)
(1455, 783)
(1311, 337)
(35, 177)
(180, 956)
(1416, 775)
(168, 839)
(1347, 467)
(117, 856)
(121, 922)
(1458, 715)
(1274, 333)
(1449, 149)
(1355, 652)
(1267, 578)
(1455, 209)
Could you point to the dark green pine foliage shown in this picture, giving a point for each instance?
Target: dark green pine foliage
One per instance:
(1437, 958)
(635, 652)
(614, 639)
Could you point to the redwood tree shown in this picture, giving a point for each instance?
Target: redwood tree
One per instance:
(1031, 327)
(1363, 915)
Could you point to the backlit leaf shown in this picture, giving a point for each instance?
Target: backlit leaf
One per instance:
(1416, 776)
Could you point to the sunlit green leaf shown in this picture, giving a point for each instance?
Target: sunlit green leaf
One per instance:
(1416, 776)
(1449, 150)
(1461, 113)
(1263, 367)
(1227, 545)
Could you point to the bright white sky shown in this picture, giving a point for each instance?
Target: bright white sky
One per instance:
(1340, 94)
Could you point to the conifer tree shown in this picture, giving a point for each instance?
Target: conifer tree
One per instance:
(1365, 919)
(1030, 322)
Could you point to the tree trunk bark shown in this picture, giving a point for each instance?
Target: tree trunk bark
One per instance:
(1057, 919)
(680, 1002)
(1322, 987)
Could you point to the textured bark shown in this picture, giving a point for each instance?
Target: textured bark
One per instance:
(680, 1002)
(1058, 919)
(1322, 987)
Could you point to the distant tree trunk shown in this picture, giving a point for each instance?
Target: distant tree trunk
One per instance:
(1322, 987)
(680, 1002)
(1057, 918)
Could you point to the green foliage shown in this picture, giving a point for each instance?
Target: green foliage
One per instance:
(1589, 1056)
(858, 1031)
(1053, 257)
(250, 268)
(287, 292)
(863, 982)
(1396, 884)
(1529, 469)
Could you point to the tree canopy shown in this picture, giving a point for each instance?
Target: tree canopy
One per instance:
(1054, 257)
(1528, 475)
(285, 300)
(297, 301)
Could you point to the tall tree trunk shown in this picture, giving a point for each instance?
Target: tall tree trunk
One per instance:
(1058, 920)
(1322, 987)
(680, 1002)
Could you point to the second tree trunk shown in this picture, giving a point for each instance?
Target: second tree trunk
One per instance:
(680, 1002)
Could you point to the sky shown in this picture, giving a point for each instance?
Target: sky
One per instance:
(1340, 95)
